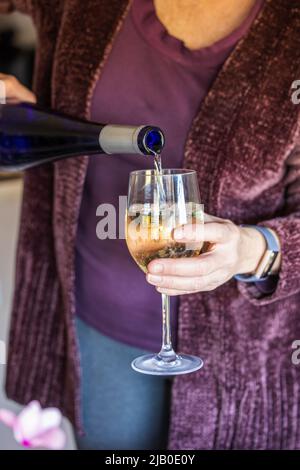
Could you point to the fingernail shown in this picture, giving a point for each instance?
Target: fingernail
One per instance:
(157, 268)
(155, 279)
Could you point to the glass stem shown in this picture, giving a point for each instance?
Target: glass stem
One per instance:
(167, 353)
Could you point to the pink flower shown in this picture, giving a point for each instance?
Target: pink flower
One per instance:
(36, 427)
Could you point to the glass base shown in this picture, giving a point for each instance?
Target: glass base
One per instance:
(152, 364)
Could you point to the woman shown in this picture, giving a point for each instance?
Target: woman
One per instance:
(216, 76)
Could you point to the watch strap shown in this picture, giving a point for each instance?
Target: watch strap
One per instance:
(273, 250)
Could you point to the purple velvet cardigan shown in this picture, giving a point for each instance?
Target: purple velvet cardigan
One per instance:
(241, 143)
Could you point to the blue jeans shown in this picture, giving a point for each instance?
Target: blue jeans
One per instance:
(121, 408)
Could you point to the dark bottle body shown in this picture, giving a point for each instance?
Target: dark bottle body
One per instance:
(30, 136)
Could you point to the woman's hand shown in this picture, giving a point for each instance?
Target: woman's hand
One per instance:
(235, 250)
(14, 91)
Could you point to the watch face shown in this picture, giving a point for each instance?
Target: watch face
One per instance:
(272, 255)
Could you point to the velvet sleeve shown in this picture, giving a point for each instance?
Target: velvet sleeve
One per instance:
(287, 227)
(8, 6)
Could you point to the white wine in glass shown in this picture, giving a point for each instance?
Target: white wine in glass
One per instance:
(157, 204)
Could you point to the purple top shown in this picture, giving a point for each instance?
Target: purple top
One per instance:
(150, 77)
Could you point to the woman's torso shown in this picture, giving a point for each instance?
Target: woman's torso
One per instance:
(149, 78)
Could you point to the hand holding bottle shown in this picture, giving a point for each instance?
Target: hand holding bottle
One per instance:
(14, 91)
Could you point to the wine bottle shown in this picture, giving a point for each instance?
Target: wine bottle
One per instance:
(31, 135)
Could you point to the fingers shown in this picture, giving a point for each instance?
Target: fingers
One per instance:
(214, 232)
(23, 94)
(15, 91)
(198, 266)
(171, 292)
(212, 218)
(202, 273)
(173, 285)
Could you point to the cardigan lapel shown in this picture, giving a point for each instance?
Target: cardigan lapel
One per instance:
(215, 145)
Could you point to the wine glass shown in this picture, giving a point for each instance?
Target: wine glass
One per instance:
(157, 203)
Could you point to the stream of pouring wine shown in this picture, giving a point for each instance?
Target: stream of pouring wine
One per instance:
(158, 172)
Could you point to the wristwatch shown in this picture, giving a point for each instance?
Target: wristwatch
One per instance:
(264, 268)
